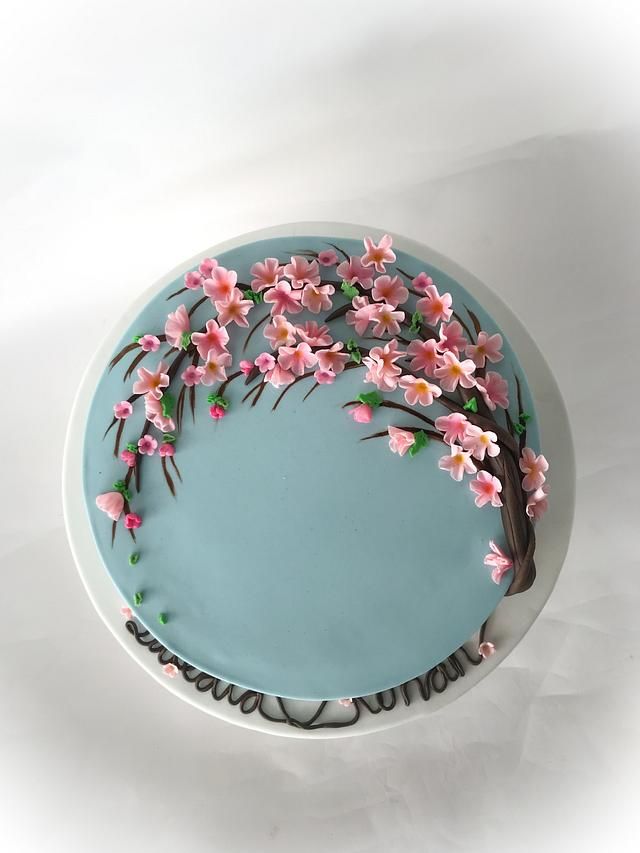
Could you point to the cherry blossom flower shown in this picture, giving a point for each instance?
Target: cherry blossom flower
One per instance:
(234, 309)
(149, 343)
(324, 377)
(390, 290)
(207, 265)
(434, 307)
(386, 319)
(480, 442)
(494, 389)
(265, 274)
(112, 503)
(537, 503)
(486, 489)
(400, 440)
(278, 376)
(154, 414)
(122, 410)
(457, 463)
(170, 670)
(418, 390)
(382, 369)
(354, 271)
(454, 427)
(362, 414)
(265, 362)
(127, 612)
(297, 359)
(317, 298)
(486, 348)
(221, 284)
(152, 381)
(129, 457)
(451, 372)
(217, 412)
(192, 375)
(216, 337)
(283, 299)
(166, 450)
(362, 315)
(246, 366)
(485, 650)
(214, 369)
(147, 445)
(452, 338)
(314, 335)
(332, 359)
(193, 280)
(132, 521)
(176, 326)
(500, 561)
(421, 282)
(534, 468)
(301, 271)
(327, 258)
(424, 356)
(378, 255)
(280, 332)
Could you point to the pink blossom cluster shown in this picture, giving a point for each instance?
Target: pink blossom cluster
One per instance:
(534, 468)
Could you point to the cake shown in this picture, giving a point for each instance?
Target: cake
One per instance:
(312, 469)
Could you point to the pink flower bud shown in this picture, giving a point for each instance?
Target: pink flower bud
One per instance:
(362, 414)
(246, 367)
(132, 521)
(129, 457)
(485, 649)
(217, 412)
(166, 450)
(193, 280)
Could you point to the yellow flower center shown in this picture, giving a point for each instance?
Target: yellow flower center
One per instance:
(456, 370)
(458, 459)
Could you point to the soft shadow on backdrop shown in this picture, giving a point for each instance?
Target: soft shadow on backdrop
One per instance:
(135, 135)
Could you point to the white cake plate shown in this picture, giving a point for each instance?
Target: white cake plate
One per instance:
(515, 614)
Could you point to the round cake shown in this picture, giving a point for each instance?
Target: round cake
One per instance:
(312, 469)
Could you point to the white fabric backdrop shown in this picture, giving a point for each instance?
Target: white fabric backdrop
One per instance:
(507, 136)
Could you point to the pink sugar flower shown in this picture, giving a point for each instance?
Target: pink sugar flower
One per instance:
(280, 332)
(192, 375)
(400, 440)
(494, 389)
(176, 326)
(362, 414)
(193, 279)
(500, 561)
(362, 315)
(452, 338)
(283, 299)
(537, 503)
(390, 290)
(149, 343)
(327, 258)
(297, 359)
(332, 359)
(314, 335)
(265, 362)
(278, 376)
(132, 521)
(170, 670)
(167, 450)
(451, 372)
(418, 390)
(458, 463)
(434, 307)
(215, 367)
(317, 298)
(487, 489)
(378, 255)
(534, 468)
(112, 503)
(421, 282)
(480, 442)
(485, 650)
(246, 366)
(354, 271)
(346, 703)
(386, 319)
(147, 445)
(265, 274)
(129, 457)
(154, 414)
(221, 284)
(152, 381)
(217, 412)
(207, 265)
(215, 337)
(234, 309)
(122, 410)
(486, 348)
(382, 369)
(301, 271)
(454, 427)
(424, 356)
(127, 612)
(324, 377)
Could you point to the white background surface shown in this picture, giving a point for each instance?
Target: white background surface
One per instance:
(505, 135)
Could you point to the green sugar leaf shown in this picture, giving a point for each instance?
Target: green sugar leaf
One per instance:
(167, 402)
(134, 558)
(356, 356)
(217, 400)
(120, 486)
(163, 618)
(137, 598)
(421, 440)
(416, 321)
(349, 290)
(256, 298)
(132, 447)
(524, 417)
(136, 338)
(167, 438)
(519, 428)
(351, 345)
(371, 398)
(185, 340)
(471, 405)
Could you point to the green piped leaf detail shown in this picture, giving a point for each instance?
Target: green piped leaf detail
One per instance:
(416, 321)
(137, 598)
(134, 558)
(167, 438)
(136, 338)
(524, 417)
(132, 447)
(421, 440)
(471, 405)
(163, 618)
(185, 340)
(356, 356)
(519, 428)
(218, 400)
(351, 345)
(349, 290)
(121, 486)
(256, 298)
(371, 398)
(167, 402)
